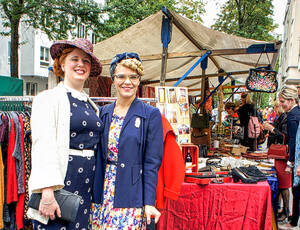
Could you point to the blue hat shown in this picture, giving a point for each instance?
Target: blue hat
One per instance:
(119, 57)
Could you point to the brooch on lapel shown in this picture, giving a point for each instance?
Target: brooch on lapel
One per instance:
(137, 122)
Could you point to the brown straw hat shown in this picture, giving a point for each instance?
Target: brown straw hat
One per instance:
(80, 43)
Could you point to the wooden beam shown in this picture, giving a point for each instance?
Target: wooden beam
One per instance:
(174, 55)
(184, 30)
(230, 87)
(224, 87)
(147, 82)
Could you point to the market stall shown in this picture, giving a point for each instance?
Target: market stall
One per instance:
(179, 53)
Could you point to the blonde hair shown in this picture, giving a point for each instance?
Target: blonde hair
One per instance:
(59, 60)
(133, 64)
(289, 92)
(247, 98)
(280, 109)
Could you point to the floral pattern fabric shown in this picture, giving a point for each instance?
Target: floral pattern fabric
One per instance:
(105, 216)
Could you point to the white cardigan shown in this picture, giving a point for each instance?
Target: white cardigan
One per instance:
(50, 128)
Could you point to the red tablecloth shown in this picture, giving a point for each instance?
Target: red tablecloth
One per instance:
(219, 207)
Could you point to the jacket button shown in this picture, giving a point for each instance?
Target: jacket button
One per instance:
(141, 171)
(122, 165)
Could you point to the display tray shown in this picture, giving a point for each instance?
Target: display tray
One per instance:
(204, 178)
(255, 155)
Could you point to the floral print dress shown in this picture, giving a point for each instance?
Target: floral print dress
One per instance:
(105, 216)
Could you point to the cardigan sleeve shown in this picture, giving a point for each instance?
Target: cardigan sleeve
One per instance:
(292, 131)
(152, 156)
(45, 159)
(174, 167)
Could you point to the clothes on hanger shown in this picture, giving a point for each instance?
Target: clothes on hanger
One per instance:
(14, 130)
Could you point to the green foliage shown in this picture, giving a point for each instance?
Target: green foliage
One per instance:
(247, 18)
(192, 9)
(55, 17)
(122, 14)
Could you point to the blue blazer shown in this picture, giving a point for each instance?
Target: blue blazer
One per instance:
(139, 157)
(293, 118)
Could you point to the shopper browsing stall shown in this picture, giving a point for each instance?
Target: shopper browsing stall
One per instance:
(65, 132)
(278, 133)
(131, 153)
(288, 100)
(246, 110)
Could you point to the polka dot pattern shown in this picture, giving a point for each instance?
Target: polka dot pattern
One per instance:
(79, 178)
(85, 125)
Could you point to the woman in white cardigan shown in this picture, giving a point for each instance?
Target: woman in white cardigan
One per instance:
(65, 132)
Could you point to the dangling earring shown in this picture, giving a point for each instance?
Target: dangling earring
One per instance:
(63, 69)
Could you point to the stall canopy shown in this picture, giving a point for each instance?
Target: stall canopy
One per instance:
(188, 42)
(10, 86)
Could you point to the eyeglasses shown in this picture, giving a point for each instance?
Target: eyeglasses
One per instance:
(131, 77)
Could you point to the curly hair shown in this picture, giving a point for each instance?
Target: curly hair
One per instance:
(130, 63)
(58, 61)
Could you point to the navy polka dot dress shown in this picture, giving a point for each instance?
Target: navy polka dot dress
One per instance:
(85, 130)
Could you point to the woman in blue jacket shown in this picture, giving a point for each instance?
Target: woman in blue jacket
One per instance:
(288, 99)
(130, 154)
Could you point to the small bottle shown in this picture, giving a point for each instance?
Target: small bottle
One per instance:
(188, 161)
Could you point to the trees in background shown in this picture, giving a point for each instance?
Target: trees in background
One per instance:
(56, 18)
(121, 14)
(247, 18)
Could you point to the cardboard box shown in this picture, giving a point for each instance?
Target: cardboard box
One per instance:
(238, 150)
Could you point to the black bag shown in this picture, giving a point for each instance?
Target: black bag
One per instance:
(68, 203)
(200, 121)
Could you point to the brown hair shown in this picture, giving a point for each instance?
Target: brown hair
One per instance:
(58, 61)
(229, 105)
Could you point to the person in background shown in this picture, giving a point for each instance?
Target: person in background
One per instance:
(230, 109)
(278, 133)
(271, 115)
(245, 111)
(130, 153)
(288, 100)
(265, 113)
(65, 132)
(260, 115)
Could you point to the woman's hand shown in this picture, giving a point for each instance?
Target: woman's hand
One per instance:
(298, 170)
(48, 204)
(289, 169)
(268, 126)
(151, 211)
